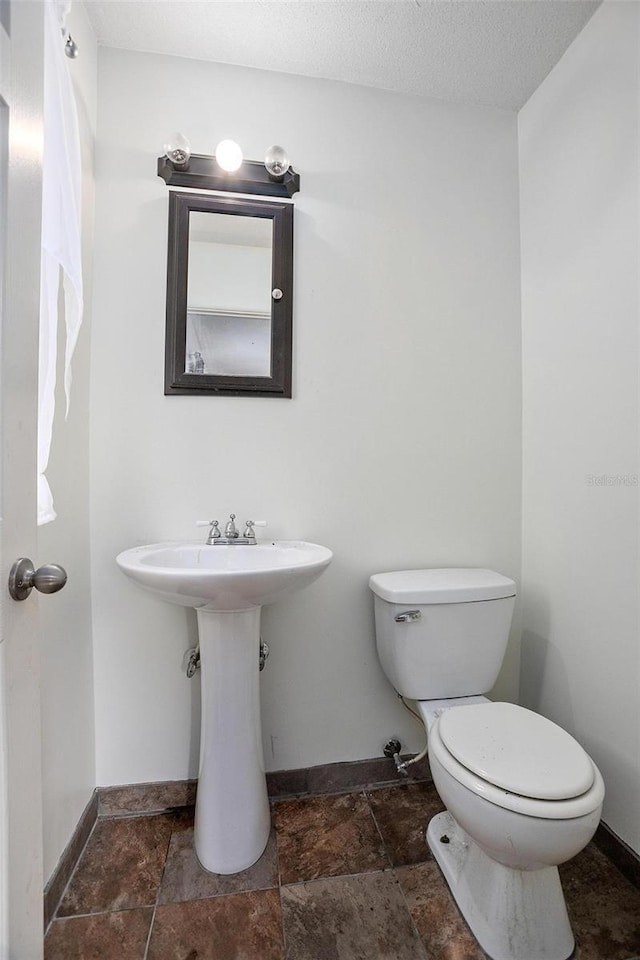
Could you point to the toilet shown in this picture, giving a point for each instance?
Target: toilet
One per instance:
(522, 796)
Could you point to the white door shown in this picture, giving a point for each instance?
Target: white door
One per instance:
(21, 880)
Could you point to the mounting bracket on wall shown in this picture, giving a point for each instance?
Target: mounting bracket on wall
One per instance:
(203, 173)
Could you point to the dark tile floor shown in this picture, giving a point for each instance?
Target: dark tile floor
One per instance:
(345, 877)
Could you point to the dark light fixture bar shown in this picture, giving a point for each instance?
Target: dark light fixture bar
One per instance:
(202, 172)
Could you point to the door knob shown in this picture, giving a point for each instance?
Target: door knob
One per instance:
(48, 578)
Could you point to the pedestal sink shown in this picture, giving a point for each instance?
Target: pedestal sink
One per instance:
(228, 586)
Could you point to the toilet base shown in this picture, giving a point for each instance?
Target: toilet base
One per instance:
(513, 914)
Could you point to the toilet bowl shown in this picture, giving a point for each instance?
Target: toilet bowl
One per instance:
(522, 796)
(530, 820)
(502, 847)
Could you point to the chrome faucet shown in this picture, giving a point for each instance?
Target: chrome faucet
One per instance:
(231, 532)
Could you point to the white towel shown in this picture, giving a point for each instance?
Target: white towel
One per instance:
(61, 235)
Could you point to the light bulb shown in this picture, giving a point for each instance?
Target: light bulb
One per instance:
(276, 161)
(228, 155)
(178, 150)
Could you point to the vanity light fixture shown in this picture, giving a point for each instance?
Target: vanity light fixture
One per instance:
(227, 171)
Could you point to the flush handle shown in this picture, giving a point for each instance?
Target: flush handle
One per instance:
(409, 616)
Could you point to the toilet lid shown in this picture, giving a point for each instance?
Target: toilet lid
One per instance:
(450, 585)
(517, 750)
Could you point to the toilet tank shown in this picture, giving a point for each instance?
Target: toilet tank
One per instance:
(442, 633)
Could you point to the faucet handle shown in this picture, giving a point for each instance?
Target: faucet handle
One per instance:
(214, 532)
(249, 532)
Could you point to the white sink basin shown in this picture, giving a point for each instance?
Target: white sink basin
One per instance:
(228, 584)
(222, 577)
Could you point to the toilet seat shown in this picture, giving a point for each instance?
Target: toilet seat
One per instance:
(563, 808)
(518, 750)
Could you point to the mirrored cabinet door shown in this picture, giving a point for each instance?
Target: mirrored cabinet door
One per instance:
(229, 291)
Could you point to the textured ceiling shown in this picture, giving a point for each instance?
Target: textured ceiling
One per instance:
(493, 52)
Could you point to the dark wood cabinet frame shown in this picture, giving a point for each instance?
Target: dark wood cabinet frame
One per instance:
(278, 384)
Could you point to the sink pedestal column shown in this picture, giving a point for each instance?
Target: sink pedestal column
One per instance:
(232, 820)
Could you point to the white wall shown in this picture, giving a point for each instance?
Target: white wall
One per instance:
(579, 173)
(401, 446)
(66, 649)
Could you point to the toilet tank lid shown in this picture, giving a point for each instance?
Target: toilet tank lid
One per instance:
(518, 750)
(451, 585)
